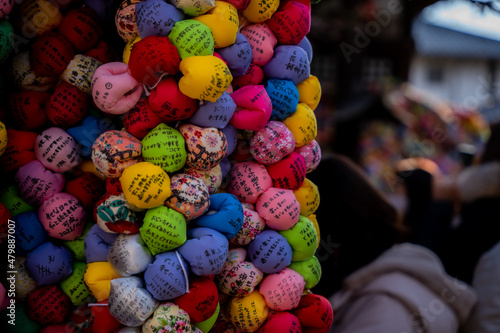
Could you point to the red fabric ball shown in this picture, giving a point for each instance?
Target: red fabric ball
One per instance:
(240, 5)
(291, 23)
(50, 54)
(48, 305)
(253, 76)
(201, 301)
(288, 173)
(28, 108)
(19, 150)
(113, 185)
(58, 328)
(103, 52)
(87, 188)
(151, 57)
(67, 105)
(141, 119)
(315, 313)
(281, 322)
(169, 103)
(101, 321)
(81, 28)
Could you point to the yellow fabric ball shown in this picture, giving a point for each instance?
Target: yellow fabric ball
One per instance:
(205, 77)
(315, 223)
(223, 22)
(308, 197)
(302, 124)
(38, 17)
(145, 185)
(310, 92)
(128, 48)
(248, 313)
(97, 277)
(260, 10)
(3, 138)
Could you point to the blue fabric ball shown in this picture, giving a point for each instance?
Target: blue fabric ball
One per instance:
(225, 215)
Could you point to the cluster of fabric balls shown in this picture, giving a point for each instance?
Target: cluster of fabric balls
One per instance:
(165, 189)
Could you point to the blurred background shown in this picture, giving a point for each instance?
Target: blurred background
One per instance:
(404, 79)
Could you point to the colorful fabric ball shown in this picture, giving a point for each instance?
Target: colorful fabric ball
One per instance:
(114, 90)
(238, 277)
(125, 20)
(272, 143)
(97, 243)
(151, 57)
(164, 146)
(169, 103)
(192, 38)
(57, 305)
(164, 229)
(50, 54)
(311, 153)
(254, 108)
(190, 196)
(62, 216)
(270, 252)
(114, 151)
(57, 150)
(253, 224)
(168, 317)
(248, 313)
(206, 146)
(36, 184)
(167, 277)
(156, 17)
(205, 251)
(223, 21)
(205, 77)
(248, 181)
(145, 185)
(49, 263)
(291, 22)
(81, 28)
(211, 178)
(302, 238)
(279, 208)
(303, 125)
(282, 291)
(225, 215)
(288, 173)
(25, 77)
(129, 255)
(202, 300)
(289, 62)
(284, 96)
(67, 105)
(79, 72)
(114, 214)
(129, 302)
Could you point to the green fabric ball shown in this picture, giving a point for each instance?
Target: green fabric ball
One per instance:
(192, 38)
(6, 39)
(165, 147)
(310, 270)
(303, 239)
(75, 287)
